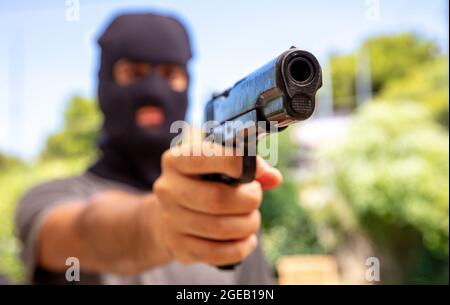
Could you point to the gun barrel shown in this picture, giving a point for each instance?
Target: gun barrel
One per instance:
(300, 70)
(282, 91)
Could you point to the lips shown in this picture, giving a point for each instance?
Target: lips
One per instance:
(149, 117)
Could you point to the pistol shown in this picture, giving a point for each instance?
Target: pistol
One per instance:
(280, 93)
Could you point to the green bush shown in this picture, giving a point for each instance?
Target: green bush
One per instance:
(79, 133)
(287, 228)
(8, 162)
(392, 172)
(67, 152)
(427, 85)
(18, 180)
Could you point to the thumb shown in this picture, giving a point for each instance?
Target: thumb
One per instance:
(268, 176)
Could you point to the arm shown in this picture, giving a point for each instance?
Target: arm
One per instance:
(106, 234)
(197, 221)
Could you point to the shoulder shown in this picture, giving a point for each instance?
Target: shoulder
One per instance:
(71, 188)
(36, 202)
(49, 194)
(56, 187)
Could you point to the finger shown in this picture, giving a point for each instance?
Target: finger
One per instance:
(218, 252)
(209, 197)
(214, 227)
(268, 176)
(194, 159)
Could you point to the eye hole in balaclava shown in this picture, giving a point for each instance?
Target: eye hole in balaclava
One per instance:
(126, 72)
(131, 154)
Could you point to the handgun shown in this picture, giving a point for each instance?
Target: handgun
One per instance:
(279, 94)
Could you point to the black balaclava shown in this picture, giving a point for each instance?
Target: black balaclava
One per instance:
(131, 155)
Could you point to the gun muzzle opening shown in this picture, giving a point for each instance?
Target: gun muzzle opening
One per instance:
(300, 70)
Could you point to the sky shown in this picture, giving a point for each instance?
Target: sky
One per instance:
(48, 50)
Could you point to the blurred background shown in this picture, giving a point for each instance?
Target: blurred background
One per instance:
(366, 180)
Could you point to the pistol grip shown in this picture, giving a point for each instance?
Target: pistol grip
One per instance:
(248, 175)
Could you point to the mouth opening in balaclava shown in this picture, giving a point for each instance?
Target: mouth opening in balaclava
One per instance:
(129, 153)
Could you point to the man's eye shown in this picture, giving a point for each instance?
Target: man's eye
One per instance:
(126, 72)
(138, 74)
(165, 72)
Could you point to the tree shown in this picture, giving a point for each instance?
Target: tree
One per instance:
(79, 133)
(428, 85)
(343, 69)
(391, 58)
(394, 57)
(67, 152)
(8, 162)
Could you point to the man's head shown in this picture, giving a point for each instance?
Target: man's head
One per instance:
(143, 88)
(127, 72)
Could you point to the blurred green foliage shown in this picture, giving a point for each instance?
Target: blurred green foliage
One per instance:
(287, 229)
(343, 70)
(66, 152)
(9, 162)
(392, 58)
(395, 181)
(427, 84)
(79, 133)
(14, 182)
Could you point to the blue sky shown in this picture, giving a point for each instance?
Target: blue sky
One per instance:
(45, 59)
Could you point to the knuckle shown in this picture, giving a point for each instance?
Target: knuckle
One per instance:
(213, 258)
(159, 187)
(254, 195)
(210, 254)
(180, 253)
(240, 252)
(221, 228)
(183, 257)
(167, 158)
(255, 222)
(251, 224)
(216, 199)
(164, 195)
(258, 219)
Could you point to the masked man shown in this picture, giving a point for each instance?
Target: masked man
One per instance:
(141, 214)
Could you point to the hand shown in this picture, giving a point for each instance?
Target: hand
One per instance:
(204, 221)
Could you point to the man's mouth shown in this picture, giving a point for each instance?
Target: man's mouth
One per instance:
(149, 117)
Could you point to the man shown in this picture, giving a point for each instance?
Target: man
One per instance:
(142, 214)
